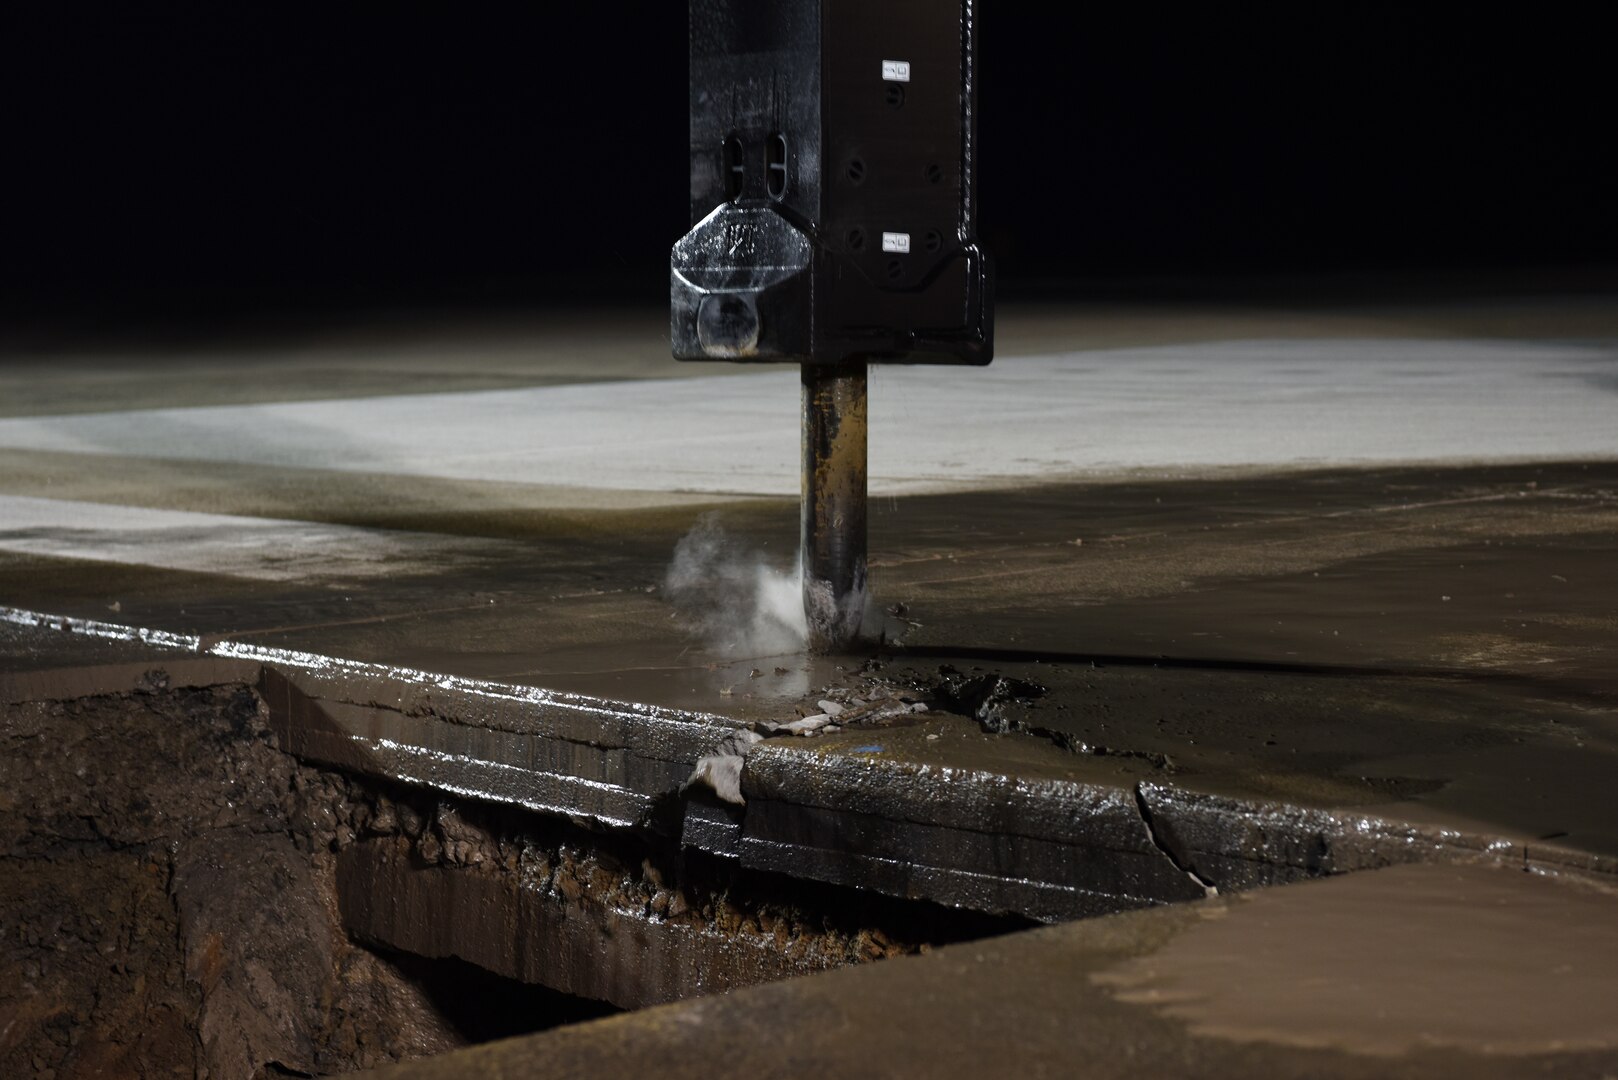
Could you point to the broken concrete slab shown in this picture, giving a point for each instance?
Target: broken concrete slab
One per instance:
(560, 753)
(923, 807)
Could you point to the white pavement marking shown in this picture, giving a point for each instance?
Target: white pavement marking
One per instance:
(1024, 419)
(262, 548)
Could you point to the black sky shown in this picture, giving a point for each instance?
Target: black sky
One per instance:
(348, 153)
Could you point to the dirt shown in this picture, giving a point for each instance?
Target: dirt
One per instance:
(166, 902)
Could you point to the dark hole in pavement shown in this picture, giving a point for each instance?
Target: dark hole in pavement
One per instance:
(483, 1006)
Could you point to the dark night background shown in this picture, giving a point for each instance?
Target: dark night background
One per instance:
(349, 154)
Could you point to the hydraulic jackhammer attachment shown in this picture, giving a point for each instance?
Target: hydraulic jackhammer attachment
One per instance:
(834, 224)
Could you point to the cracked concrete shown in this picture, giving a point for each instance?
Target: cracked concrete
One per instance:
(1169, 850)
(923, 806)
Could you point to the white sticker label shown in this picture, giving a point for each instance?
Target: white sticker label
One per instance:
(896, 242)
(896, 70)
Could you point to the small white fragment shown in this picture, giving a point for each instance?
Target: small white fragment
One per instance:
(722, 770)
(722, 774)
(805, 725)
(830, 708)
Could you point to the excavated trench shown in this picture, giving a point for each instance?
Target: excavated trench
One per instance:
(180, 896)
(249, 863)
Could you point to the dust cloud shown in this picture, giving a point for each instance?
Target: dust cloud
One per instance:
(739, 602)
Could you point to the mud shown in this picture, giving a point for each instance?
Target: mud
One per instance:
(167, 900)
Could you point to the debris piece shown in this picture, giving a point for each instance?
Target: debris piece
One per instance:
(721, 770)
(804, 725)
(984, 698)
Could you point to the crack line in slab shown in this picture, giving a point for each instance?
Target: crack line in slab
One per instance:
(1208, 887)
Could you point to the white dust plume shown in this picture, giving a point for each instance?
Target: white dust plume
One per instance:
(741, 604)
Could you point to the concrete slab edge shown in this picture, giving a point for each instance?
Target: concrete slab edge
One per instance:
(1048, 850)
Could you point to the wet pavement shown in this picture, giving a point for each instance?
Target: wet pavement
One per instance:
(1408, 972)
(1436, 637)
(1356, 608)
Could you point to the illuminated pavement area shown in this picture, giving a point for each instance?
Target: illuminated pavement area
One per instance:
(1094, 414)
(1350, 578)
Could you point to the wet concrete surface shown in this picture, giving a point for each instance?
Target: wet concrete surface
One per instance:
(1421, 971)
(1339, 639)
(1223, 677)
(1419, 958)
